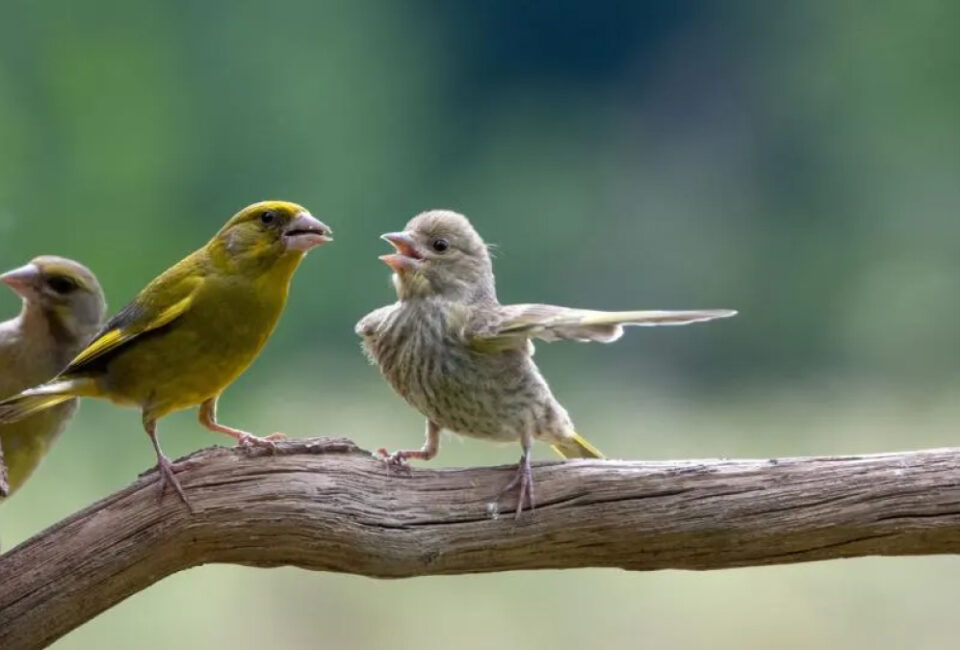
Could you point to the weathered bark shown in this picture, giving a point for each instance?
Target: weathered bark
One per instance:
(327, 505)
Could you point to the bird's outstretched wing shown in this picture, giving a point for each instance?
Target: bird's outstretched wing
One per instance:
(513, 325)
(162, 302)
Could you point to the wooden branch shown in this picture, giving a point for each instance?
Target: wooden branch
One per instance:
(326, 505)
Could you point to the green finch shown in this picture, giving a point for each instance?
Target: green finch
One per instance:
(63, 307)
(465, 361)
(193, 330)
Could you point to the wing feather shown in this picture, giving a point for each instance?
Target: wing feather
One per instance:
(516, 324)
(145, 314)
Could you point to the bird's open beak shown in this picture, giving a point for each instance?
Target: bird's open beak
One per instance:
(22, 280)
(306, 232)
(406, 258)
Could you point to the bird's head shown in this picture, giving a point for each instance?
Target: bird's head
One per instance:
(66, 292)
(440, 254)
(264, 233)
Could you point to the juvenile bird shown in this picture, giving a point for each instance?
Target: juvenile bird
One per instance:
(464, 360)
(193, 330)
(63, 307)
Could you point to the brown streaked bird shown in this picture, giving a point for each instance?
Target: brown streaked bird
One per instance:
(63, 307)
(193, 330)
(465, 361)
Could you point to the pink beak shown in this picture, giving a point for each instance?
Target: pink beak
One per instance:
(406, 258)
(22, 280)
(306, 232)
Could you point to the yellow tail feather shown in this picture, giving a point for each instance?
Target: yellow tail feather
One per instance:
(23, 406)
(39, 399)
(576, 446)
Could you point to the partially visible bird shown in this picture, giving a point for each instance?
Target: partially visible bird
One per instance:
(464, 360)
(63, 307)
(193, 330)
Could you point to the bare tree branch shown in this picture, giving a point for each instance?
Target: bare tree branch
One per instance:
(326, 505)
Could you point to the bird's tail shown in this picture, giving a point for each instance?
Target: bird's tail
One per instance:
(576, 446)
(41, 398)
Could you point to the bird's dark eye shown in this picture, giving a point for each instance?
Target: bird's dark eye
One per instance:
(440, 244)
(61, 285)
(268, 217)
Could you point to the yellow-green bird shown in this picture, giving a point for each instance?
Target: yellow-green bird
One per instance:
(193, 330)
(63, 307)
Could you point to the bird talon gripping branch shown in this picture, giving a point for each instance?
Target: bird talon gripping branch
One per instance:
(251, 441)
(522, 482)
(168, 478)
(465, 361)
(396, 461)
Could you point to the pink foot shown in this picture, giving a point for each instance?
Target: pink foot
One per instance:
(167, 472)
(395, 461)
(266, 442)
(522, 481)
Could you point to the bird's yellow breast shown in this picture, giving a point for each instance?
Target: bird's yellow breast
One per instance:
(26, 442)
(198, 355)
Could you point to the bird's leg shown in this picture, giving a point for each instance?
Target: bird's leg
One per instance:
(431, 445)
(208, 418)
(165, 468)
(522, 481)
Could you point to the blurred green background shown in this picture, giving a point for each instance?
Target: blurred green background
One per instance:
(797, 161)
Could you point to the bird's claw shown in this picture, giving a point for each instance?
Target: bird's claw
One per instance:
(248, 441)
(522, 481)
(396, 461)
(167, 473)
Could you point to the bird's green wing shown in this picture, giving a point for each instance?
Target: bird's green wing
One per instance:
(513, 325)
(159, 304)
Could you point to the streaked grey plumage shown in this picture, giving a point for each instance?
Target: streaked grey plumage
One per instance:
(464, 360)
(63, 307)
